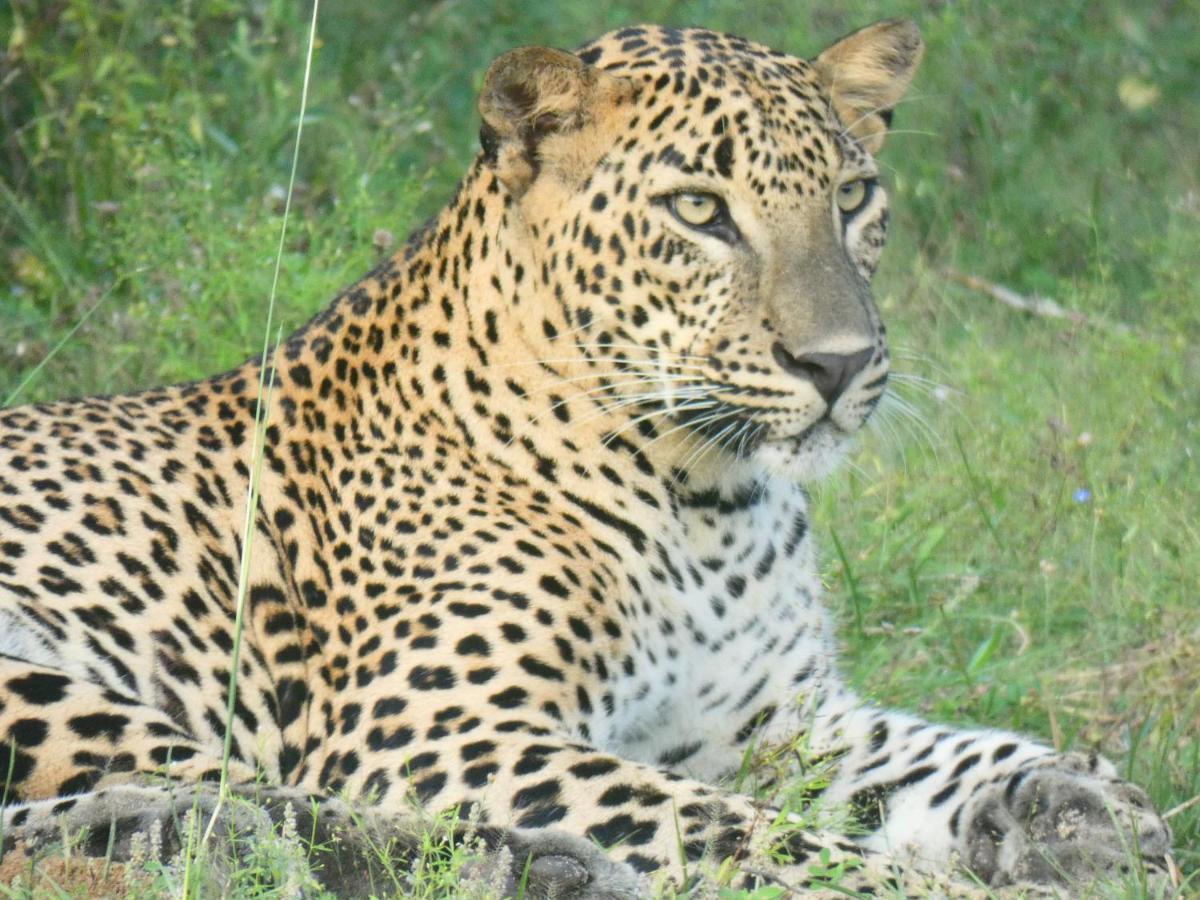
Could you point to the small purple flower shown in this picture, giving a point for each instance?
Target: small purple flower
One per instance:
(1082, 495)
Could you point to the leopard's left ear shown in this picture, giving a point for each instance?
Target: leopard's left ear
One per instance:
(529, 96)
(866, 74)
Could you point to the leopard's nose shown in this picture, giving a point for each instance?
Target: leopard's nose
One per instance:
(830, 373)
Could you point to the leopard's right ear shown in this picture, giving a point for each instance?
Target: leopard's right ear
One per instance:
(528, 96)
(866, 74)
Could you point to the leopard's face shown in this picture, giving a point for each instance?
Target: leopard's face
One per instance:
(714, 249)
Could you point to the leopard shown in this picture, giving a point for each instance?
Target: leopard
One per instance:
(519, 524)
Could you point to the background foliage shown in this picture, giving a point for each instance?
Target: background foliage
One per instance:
(1026, 555)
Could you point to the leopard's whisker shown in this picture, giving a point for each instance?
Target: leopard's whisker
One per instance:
(571, 331)
(883, 424)
(691, 423)
(643, 378)
(918, 382)
(910, 412)
(924, 359)
(603, 409)
(866, 114)
(649, 365)
(689, 465)
(649, 397)
(643, 348)
(686, 406)
(862, 474)
(611, 436)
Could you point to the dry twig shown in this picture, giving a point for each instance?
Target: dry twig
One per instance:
(1185, 805)
(1037, 306)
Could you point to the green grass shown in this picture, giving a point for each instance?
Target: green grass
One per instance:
(1027, 558)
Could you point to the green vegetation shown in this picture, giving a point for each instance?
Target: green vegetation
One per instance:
(1026, 554)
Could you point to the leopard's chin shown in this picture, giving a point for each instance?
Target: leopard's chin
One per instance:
(811, 455)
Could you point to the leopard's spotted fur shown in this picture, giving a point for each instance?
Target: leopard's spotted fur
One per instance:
(531, 532)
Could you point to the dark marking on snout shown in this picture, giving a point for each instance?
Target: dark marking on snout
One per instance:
(830, 373)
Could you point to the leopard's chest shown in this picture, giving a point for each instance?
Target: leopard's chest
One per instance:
(731, 626)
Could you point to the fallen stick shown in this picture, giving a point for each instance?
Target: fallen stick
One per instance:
(1037, 306)
(1185, 805)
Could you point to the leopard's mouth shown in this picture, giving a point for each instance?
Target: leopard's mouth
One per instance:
(822, 428)
(807, 455)
(726, 425)
(740, 431)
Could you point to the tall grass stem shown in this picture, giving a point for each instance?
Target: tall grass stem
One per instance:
(266, 384)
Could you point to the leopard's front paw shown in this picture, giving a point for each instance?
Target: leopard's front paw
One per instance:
(551, 865)
(1063, 819)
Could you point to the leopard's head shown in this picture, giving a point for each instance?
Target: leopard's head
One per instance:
(704, 216)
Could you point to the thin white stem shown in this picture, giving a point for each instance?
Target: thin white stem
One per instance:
(258, 447)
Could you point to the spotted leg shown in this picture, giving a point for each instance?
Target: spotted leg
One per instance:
(657, 822)
(63, 734)
(1009, 808)
(352, 852)
(131, 771)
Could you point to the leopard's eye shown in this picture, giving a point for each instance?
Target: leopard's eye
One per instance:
(852, 195)
(696, 209)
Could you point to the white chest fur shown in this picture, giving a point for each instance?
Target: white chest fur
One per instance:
(730, 635)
